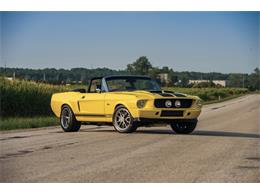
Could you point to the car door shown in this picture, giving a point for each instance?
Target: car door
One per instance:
(92, 103)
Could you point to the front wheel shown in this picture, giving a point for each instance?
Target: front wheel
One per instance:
(184, 127)
(68, 121)
(123, 121)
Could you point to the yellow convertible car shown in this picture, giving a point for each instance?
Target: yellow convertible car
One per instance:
(126, 102)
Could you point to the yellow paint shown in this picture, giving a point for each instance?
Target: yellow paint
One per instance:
(99, 107)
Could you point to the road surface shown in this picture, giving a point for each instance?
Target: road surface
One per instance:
(224, 148)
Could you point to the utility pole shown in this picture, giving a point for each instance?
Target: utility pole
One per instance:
(5, 70)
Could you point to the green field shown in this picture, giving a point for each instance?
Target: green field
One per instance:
(26, 104)
(210, 94)
(27, 122)
(22, 98)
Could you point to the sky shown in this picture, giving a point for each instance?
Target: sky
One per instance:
(184, 41)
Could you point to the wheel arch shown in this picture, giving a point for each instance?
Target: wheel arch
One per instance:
(66, 104)
(118, 104)
(132, 110)
(122, 104)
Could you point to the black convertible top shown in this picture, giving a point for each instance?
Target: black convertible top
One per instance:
(121, 76)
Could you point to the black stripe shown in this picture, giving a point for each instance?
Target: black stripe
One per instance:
(94, 115)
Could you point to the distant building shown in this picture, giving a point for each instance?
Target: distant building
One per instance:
(216, 82)
(164, 78)
(9, 78)
(76, 82)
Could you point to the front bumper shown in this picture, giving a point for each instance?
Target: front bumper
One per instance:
(159, 120)
(157, 114)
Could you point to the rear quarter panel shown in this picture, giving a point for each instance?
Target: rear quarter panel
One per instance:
(69, 98)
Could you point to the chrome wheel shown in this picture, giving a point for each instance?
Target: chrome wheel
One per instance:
(122, 119)
(65, 118)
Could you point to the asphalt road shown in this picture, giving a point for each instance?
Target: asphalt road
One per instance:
(223, 148)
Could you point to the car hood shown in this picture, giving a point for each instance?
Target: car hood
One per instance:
(153, 94)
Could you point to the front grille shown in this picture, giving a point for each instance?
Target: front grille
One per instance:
(171, 113)
(185, 103)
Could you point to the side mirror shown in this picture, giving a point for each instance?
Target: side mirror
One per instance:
(98, 90)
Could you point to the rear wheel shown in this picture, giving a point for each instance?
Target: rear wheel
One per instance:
(123, 121)
(68, 121)
(184, 127)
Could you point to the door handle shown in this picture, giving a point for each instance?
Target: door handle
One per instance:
(82, 97)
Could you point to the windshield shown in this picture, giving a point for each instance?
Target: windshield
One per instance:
(131, 84)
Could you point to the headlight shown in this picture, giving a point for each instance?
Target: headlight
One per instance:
(199, 103)
(141, 103)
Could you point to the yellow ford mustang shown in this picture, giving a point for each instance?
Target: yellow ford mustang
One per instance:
(126, 102)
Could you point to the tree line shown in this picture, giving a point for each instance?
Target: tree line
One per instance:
(141, 66)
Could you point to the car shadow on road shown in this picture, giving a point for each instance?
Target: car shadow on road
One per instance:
(205, 133)
(214, 133)
(225, 134)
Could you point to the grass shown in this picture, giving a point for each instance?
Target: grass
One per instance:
(27, 122)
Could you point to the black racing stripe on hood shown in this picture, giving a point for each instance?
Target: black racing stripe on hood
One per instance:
(163, 93)
(169, 94)
(166, 94)
(176, 94)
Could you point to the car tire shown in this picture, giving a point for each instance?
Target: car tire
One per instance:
(68, 121)
(184, 127)
(123, 121)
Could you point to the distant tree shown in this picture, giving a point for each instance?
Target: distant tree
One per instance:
(235, 80)
(140, 66)
(172, 77)
(153, 72)
(184, 80)
(165, 69)
(254, 80)
(83, 77)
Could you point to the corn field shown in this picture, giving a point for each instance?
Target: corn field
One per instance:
(26, 98)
